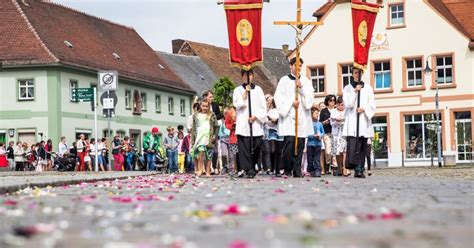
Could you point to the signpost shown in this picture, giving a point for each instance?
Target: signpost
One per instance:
(82, 94)
(108, 81)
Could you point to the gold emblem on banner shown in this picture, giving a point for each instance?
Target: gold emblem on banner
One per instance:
(362, 33)
(244, 32)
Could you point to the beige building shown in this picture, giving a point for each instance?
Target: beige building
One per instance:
(406, 35)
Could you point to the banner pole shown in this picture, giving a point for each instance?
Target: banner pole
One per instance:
(248, 88)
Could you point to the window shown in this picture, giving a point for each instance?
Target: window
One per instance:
(346, 74)
(143, 97)
(382, 75)
(444, 68)
(414, 72)
(121, 133)
(137, 103)
(73, 84)
(128, 99)
(397, 14)
(420, 136)
(26, 90)
(463, 125)
(182, 107)
(380, 141)
(170, 106)
(158, 103)
(106, 134)
(317, 78)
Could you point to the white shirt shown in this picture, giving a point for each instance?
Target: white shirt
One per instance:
(337, 126)
(284, 97)
(259, 110)
(367, 102)
(80, 145)
(62, 149)
(101, 148)
(92, 149)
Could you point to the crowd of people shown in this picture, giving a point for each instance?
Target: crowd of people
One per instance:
(285, 134)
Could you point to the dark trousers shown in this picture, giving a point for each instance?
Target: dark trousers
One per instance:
(356, 153)
(313, 154)
(266, 155)
(292, 163)
(275, 155)
(247, 161)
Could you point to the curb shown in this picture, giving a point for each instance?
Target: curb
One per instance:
(56, 183)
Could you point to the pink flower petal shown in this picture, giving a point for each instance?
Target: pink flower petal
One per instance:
(240, 244)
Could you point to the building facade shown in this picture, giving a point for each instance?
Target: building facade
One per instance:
(406, 35)
(41, 64)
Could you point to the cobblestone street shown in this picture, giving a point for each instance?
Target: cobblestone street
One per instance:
(394, 208)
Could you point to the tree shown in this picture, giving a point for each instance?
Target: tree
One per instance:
(223, 91)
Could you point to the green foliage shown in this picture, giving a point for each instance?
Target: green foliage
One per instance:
(223, 91)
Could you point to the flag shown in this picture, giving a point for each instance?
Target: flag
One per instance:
(363, 21)
(244, 25)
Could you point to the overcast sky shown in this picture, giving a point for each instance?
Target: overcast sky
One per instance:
(160, 21)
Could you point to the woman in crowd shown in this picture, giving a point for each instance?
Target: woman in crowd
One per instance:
(117, 153)
(49, 148)
(324, 118)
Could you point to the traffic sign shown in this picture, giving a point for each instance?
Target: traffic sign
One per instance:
(108, 103)
(108, 80)
(83, 94)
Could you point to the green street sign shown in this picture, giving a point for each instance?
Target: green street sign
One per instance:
(83, 94)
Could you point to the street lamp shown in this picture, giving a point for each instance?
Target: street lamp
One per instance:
(428, 71)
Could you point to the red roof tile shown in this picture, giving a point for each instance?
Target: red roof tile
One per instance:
(218, 60)
(94, 41)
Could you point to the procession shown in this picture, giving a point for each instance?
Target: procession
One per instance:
(236, 123)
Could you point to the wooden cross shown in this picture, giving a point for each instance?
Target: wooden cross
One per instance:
(298, 25)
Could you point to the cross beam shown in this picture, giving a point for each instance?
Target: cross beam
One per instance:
(298, 25)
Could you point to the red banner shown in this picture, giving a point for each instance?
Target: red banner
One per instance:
(245, 32)
(363, 20)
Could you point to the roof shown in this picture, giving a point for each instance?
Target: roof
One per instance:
(323, 9)
(45, 28)
(276, 62)
(192, 70)
(458, 13)
(217, 58)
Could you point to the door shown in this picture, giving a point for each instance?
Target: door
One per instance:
(464, 136)
(3, 138)
(28, 137)
(135, 136)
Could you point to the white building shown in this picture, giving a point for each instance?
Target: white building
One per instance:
(406, 34)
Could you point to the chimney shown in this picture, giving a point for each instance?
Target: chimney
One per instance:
(177, 44)
(285, 49)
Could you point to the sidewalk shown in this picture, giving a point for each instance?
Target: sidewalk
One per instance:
(14, 181)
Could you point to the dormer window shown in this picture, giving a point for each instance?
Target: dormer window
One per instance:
(116, 56)
(68, 44)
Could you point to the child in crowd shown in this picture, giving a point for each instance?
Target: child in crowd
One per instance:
(339, 144)
(181, 154)
(202, 138)
(230, 117)
(171, 145)
(313, 146)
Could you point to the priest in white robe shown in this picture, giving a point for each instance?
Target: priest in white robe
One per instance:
(287, 104)
(364, 109)
(248, 156)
